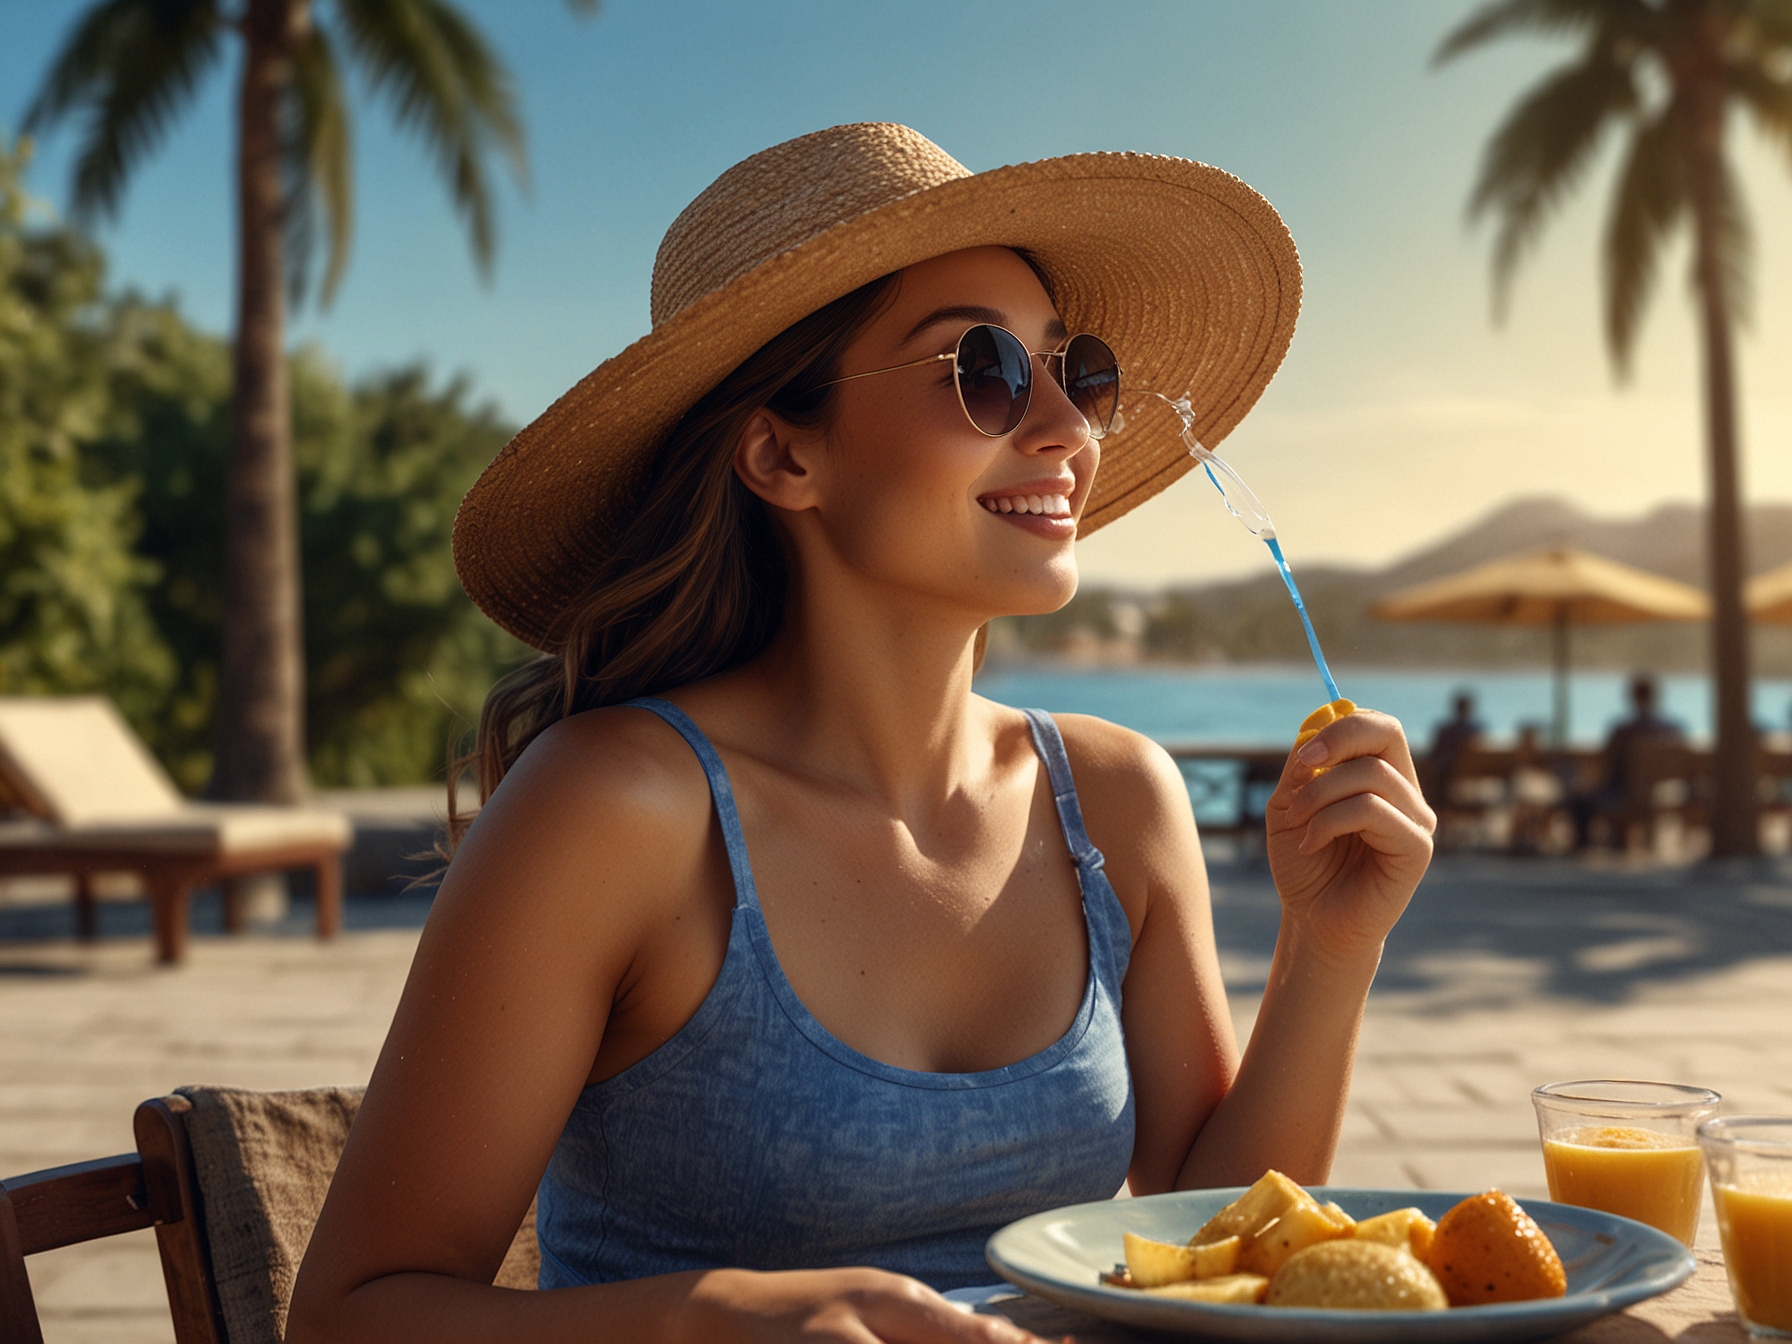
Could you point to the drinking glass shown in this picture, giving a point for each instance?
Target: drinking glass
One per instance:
(1750, 1159)
(1629, 1148)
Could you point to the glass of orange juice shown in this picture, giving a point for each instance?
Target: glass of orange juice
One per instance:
(1629, 1148)
(1750, 1157)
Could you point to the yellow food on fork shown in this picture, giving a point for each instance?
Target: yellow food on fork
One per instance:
(1310, 726)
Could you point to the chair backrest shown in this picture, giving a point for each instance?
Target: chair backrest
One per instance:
(232, 1181)
(75, 760)
(59, 1207)
(105, 1197)
(1651, 760)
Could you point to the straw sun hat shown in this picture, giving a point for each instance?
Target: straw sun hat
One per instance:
(1184, 270)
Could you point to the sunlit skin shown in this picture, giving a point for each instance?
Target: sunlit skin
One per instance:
(911, 868)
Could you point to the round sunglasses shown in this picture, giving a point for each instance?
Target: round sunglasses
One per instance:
(993, 372)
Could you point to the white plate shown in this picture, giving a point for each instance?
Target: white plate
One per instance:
(1611, 1263)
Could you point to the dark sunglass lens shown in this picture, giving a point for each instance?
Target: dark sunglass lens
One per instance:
(995, 378)
(1092, 381)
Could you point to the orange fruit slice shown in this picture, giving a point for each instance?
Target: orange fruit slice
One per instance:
(1487, 1249)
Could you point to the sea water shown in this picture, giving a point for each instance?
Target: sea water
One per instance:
(1262, 704)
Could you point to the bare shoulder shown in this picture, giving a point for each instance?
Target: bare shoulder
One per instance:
(1136, 808)
(1119, 766)
(595, 797)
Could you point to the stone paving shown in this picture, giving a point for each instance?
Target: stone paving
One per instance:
(1504, 974)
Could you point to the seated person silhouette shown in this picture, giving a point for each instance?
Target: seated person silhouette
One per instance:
(1635, 753)
(1450, 742)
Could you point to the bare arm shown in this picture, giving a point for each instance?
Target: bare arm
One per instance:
(533, 938)
(1347, 848)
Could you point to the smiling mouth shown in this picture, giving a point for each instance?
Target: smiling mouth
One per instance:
(1045, 506)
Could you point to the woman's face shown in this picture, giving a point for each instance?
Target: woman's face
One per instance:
(904, 491)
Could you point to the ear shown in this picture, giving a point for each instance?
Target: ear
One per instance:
(772, 458)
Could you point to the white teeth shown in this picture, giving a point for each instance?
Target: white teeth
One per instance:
(1048, 506)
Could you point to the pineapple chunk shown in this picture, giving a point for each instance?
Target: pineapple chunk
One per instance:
(1216, 1259)
(1228, 1290)
(1402, 1228)
(1156, 1263)
(1299, 1227)
(1265, 1201)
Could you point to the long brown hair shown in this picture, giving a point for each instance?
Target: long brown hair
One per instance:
(696, 582)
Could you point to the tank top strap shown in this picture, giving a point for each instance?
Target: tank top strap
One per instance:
(1050, 744)
(745, 893)
(1109, 929)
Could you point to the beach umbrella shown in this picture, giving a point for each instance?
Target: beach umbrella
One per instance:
(1558, 587)
(1769, 596)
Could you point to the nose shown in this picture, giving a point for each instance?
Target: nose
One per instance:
(1052, 423)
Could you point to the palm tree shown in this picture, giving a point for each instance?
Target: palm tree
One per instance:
(1668, 72)
(129, 67)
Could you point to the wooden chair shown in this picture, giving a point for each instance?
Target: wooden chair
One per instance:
(153, 1187)
(227, 1280)
(1473, 798)
(86, 798)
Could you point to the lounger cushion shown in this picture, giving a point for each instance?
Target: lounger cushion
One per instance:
(197, 829)
(75, 760)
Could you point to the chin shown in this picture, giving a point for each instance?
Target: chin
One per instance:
(1041, 593)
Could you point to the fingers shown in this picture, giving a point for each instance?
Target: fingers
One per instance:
(1372, 819)
(909, 1312)
(1363, 733)
(1373, 775)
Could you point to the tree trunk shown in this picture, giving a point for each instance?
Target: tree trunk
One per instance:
(1735, 821)
(260, 725)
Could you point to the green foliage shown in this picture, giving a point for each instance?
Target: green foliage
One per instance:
(114, 435)
(72, 611)
(395, 653)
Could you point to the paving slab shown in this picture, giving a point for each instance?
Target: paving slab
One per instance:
(1504, 975)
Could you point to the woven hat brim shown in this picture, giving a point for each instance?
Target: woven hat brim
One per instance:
(1183, 269)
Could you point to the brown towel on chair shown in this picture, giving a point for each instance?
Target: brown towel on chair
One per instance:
(264, 1162)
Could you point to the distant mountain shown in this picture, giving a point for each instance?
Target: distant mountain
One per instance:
(1252, 619)
(1670, 540)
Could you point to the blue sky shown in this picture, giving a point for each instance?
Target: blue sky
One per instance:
(1400, 414)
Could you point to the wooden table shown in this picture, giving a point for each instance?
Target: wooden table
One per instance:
(1699, 1311)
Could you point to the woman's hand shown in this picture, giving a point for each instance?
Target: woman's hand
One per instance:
(1349, 836)
(852, 1306)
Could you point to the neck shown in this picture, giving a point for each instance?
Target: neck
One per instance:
(874, 695)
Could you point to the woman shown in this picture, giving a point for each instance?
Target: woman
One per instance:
(790, 982)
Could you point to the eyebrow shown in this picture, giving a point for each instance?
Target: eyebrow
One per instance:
(1055, 330)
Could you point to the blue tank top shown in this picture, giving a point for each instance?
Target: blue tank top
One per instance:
(754, 1138)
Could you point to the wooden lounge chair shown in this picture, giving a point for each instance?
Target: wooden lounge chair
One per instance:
(232, 1181)
(82, 796)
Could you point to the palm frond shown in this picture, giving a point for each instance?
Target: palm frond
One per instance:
(1503, 18)
(318, 166)
(1768, 98)
(1541, 150)
(1771, 20)
(449, 87)
(1649, 202)
(132, 66)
